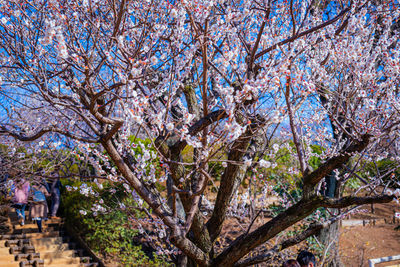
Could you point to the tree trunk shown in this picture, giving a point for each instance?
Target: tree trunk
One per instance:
(178, 203)
(329, 237)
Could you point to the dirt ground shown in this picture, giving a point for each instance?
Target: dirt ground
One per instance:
(360, 243)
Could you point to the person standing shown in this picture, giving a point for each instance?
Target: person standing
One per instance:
(55, 196)
(38, 209)
(20, 193)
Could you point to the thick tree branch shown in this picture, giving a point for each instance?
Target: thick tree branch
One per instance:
(247, 242)
(207, 121)
(190, 96)
(200, 125)
(229, 182)
(200, 232)
(310, 231)
(333, 163)
(350, 200)
(313, 229)
(112, 131)
(191, 250)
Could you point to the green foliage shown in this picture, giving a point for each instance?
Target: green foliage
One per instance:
(315, 161)
(383, 166)
(284, 157)
(109, 234)
(187, 154)
(287, 188)
(276, 209)
(216, 170)
(353, 183)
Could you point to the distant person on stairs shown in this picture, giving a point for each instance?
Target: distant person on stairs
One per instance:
(38, 209)
(55, 195)
(20, 192)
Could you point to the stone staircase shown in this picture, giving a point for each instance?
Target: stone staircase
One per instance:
(25, 246)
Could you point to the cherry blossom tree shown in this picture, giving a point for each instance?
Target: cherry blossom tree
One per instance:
(225, 78)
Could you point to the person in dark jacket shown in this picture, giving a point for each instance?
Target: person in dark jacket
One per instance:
(55, 195)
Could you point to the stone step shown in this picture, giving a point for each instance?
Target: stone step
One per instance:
(29, 235)
(44, 234)
(55, 247)
(14, 218)
(27, 245)
(8, 237)
(26, 249)
(16, 242)
(16, 250)
(12, 215)
(8, 257)
(48, 240)
(66, 265)
(58, 254)
(33, 230)
(62, 261)
(29, 256)
(33, 256)
(33, 223)
(4, 251)
(35, 263)
(34, 226)
(9, 263)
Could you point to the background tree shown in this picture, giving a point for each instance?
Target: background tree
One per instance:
(221, 77)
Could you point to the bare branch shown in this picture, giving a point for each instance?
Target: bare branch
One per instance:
(296, 139)
(259, 35)
(297, 36)
(41, 132)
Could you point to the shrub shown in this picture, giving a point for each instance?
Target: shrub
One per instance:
(109, 234)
